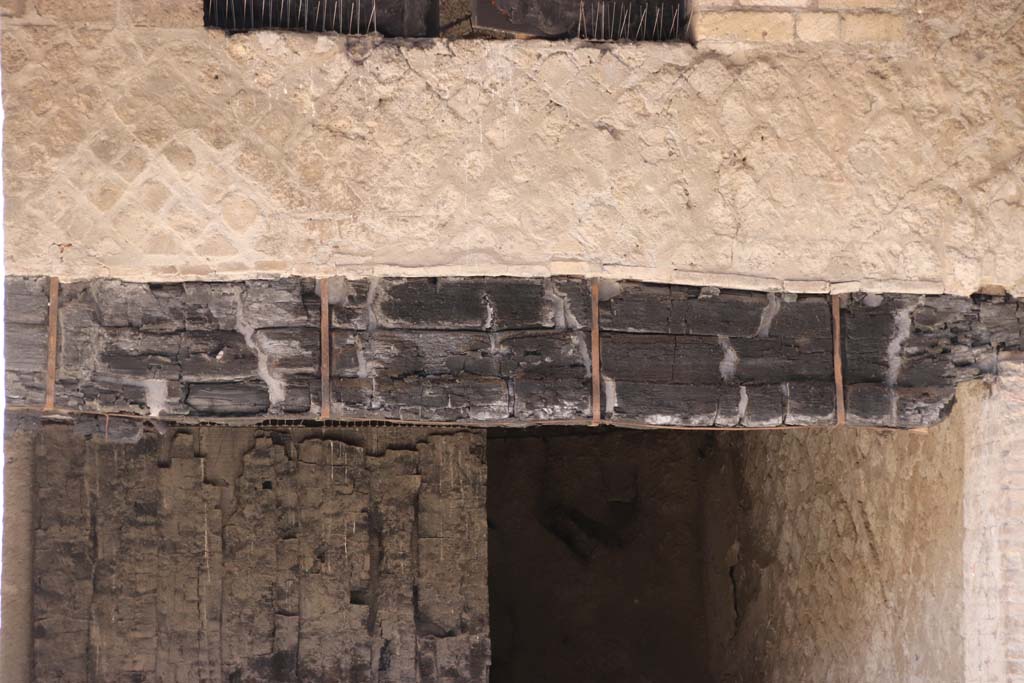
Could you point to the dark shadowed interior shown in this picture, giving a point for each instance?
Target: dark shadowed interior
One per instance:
(595, 556)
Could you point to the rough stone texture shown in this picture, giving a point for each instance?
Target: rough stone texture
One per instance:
(16, 581)
(463, 348)
(836, 555)
(244, 555)
(904, 355)
(686, 356)
(188, 154)
(995, 607)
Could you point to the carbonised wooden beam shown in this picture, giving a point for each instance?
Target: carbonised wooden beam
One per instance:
(904, 354)
(703, 357)
(500, 351)
(598, 20)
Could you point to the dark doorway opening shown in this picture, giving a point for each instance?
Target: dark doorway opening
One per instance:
(595, 556)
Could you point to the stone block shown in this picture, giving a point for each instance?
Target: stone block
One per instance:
(873, 28)
(12, 8)
(817, 27)
(761, 27)
(164, 13)
(861, 4)
(774, 3)
(78, 11)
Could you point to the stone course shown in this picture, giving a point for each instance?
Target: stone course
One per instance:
(169, 152)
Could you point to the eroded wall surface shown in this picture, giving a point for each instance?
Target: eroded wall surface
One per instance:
(837, 554)
(245, 555)
(142, 146)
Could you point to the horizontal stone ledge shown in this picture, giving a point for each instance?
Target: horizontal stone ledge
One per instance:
(481, 350)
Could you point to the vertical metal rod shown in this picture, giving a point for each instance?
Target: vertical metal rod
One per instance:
(837, 361)
(51, 356)
(325, 349)
(334, 19)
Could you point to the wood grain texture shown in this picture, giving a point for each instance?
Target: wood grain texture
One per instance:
(238, 554)
(494, 350)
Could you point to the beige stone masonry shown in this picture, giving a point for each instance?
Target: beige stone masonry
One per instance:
(879, 28)
(770, 27)
(816, 27)
(862, 4)
(814, 165)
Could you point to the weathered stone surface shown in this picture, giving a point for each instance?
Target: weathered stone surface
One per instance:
(728, 360)
(838, 554)
(249, 555)
(903, 355)
(190, 157)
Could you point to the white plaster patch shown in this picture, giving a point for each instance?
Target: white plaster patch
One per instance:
(156, 396)
(727, 367)
(608, 289)
(611, 397)
(771, 309)
(275, 385)
(873, 300)
(900, 334)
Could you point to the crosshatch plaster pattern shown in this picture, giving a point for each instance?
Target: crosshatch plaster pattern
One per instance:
(180, 153)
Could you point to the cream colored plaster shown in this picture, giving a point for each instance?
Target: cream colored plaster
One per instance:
(167, 154)
(835, 554)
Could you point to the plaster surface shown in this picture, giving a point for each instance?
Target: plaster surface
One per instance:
(152, 153)
(836, 555)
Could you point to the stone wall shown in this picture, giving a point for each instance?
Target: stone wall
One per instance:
(165, 151)
(245, 555)
(839, 555)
